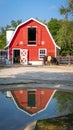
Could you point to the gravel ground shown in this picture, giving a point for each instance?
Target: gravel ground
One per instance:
(50, 76)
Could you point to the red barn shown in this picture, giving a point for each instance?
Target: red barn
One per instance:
(30, 42)
(32, 100)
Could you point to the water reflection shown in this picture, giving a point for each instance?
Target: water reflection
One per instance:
(64, 101)
(32, 100)
(20, 107)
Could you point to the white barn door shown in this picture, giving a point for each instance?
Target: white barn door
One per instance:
(24, 56)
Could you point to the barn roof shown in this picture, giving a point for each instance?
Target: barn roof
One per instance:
(37, 22)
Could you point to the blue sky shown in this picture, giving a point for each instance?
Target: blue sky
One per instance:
(25, 9)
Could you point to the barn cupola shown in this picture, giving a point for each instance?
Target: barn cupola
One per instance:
(9, 34)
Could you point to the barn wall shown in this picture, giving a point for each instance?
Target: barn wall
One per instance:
(42, 98)
(43, 41)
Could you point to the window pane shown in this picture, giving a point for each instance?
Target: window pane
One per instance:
(31, 99)
(42, 53)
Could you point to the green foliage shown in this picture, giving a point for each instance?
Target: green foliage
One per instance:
(14, 24)
(65, 37)
(42, 21)
(58, 123)
(2, 37)
(62, 32)
(54, 25)
(68, 10)
(65, 34)
(65, 103)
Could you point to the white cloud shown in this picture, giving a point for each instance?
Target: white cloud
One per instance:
(52, 7)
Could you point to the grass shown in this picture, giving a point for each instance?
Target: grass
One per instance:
(59, 123)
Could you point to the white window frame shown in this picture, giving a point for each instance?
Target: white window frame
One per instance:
(42, 54)
(35, 98)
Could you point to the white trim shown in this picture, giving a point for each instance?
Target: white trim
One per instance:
(39, 53)
(35, 97)
(37, 22)
(8, 54)
(32, 45)
(36, 62)
(33, 89)
(28, 26)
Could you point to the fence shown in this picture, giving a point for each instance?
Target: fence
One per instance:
(65, 59)
(3, 57)
(60, 59)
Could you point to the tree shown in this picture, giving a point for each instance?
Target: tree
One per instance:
(68, 10)
(65, 34)
(54, 25)
(65, 37)
(66, 103)
(42, 21)
(2, 37)
(14, 24)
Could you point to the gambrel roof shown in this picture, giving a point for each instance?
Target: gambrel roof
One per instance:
(37, 22)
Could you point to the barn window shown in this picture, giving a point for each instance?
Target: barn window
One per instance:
(42, 53)
(31, 98)
(31, 36)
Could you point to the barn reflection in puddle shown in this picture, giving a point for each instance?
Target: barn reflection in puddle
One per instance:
(18, 108)
(31, 100)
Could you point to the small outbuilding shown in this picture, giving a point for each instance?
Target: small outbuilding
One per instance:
(29, 43)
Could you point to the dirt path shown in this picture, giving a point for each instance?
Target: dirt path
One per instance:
(24, 76)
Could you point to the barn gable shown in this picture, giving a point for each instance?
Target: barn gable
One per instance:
(29, 100)
(30, 42)
(26, 22)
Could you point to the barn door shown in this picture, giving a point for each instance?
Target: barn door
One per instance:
(16, 56)
(23, 55)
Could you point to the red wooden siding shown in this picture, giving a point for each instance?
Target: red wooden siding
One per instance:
(42, 98)
(43, 40)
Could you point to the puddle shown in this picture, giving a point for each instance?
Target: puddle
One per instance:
(18, 108)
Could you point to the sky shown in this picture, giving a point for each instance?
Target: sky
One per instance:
(25, 9)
